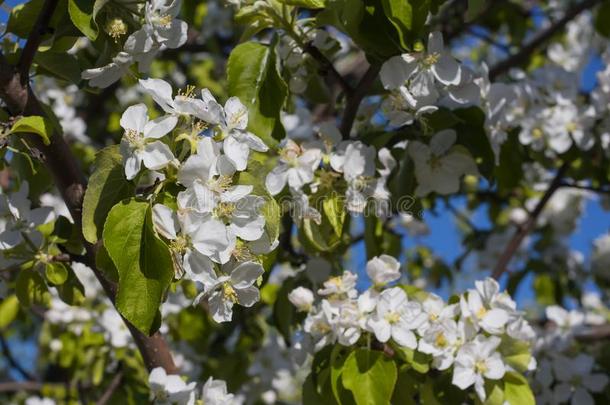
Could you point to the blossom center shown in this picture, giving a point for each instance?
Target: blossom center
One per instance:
(224, 211)
(440, 340)
(481, 313)
(481, 367)
(134, 138)
(392, 317)
(220, 184)
(229, 292)
(431, 59)
(163, 20)
(116, 28)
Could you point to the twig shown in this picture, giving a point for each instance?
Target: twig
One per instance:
(489, 40)
(461, 216)
(598, 190)
(328, 68)
(355, 98)
(112, 387)
(31, 46)
(70, 181)
(526, 227)
(20, 386)
(6, 351)
(523, 55)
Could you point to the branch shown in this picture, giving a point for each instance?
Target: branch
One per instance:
(529, 224)
(327, 67)
(112, 387)
(35, 38)
(20, 386)
(70, 181)
(355, 98)
(523, 55)
(6, 351)
(599, 190)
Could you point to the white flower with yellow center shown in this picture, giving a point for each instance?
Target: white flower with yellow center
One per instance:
(396, 317)
(479, 307)
(140, 145)
(296, 167)
(440, 165)
(477, 361)
(235, 285)
(170, 389)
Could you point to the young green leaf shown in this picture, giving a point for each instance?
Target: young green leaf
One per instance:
(9, 308)
(254, 78)
(143, 262)
(107, 186)
(81, 14)
(370, 376)
(516, 390)
(34, 124)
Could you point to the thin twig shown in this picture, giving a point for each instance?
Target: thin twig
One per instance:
(6, 351)
(35, 38)
(526, 51)
(526, 227)
(328, 68)
(20, 386)
(593, 189)
(355, 98)
(112, 387)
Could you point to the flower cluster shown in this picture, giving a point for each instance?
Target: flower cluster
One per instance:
(472, 335)
(159, 30)
(565, 372)
(215, 229)
(421, 81)
(329, 165)
(170, 389)
(18, 225)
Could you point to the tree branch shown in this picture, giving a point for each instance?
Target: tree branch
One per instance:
(355, 98)
(112, 387)
(328, 68)
(31, 46)
(20, 386)
(70, 180)
(529, 224)
(6, 351)
(524, 54)
(599, 190)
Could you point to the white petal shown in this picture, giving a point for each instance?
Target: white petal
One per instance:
(404, 337)
(156, 155)
(165, 220)
(237, 152)
(245, 274)
(133, 164)
(135, 118)
(236, 114)
(159, 127)
(160, 91)
(276, 179)
(247, 296)
(442, 141)
(463, 377)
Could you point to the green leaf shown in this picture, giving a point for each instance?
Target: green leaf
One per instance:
(60, 65)
(305, 3)
(406, 388)
(516, 390)
(253, 76)
(337, 362)
(419, 361)
(31, 289)
(107, 186)
(370, 376)
(334, 209)
(143, 262)
(516, 353)
(495, 393)
(408, 17)
(601, 19)
(56, 273)
(72, 292)
(475, 7)
(9, 308)
(81, 14)
(22, 18)
(34, 124)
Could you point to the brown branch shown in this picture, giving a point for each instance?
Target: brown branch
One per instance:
(70, 181)
(35, 38)
(594, 333)
(593, 189)
(327, 68)
(20, 386)
(355, 98)
(528, 225)
(526, 51)
(111, 389)
(6, 351)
